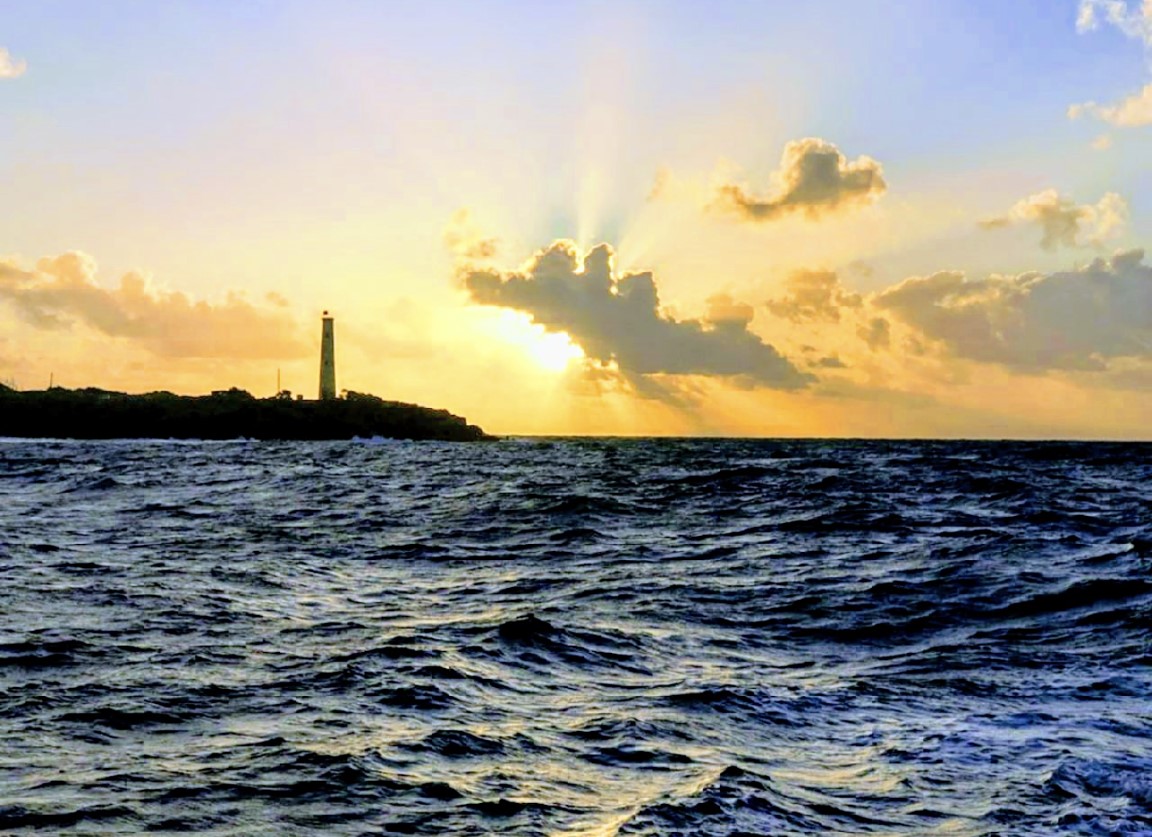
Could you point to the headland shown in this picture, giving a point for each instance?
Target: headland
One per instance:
(91, 413)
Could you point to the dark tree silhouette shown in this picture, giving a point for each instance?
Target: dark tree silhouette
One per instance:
(225, 414)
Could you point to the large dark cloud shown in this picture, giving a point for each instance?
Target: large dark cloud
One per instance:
(814, 179)
(1073, 320)
(63, 289)
(617, 319)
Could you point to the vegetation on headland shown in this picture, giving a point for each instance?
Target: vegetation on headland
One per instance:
(228, 414)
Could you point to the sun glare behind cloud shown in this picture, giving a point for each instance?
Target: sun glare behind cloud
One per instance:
(554, 352)
(550, 351)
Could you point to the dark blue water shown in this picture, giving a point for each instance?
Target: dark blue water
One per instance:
(576, 637)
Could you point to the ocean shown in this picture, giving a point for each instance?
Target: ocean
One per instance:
(576, 637)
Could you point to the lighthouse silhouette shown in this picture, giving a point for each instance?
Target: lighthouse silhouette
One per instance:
(327, 358)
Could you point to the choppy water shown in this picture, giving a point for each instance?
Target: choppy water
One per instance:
(576, 637)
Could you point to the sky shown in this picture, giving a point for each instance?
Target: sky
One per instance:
(867, 218)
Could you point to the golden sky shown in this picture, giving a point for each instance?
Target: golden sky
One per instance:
(630, 218)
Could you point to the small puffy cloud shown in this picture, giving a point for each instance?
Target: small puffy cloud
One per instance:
(63, 290)
(1134, 18)
(724, 311)
(1102, 142)
(617, 320)
(463, 239)
(1063, 222)
(814, 179)
(1131, 112)
(830, 362)
(813, 296)
(11, 67)
(660, 184)
(1073, 320)
(877, 333)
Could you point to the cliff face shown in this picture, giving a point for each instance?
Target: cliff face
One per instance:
(231, 414)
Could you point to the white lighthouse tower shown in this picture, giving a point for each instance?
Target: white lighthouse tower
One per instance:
(327, 359)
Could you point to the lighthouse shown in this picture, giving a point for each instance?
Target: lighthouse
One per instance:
(327, 359)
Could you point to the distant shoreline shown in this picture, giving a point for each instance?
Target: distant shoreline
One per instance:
(91, 414)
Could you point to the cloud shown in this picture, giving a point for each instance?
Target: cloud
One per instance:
(1065, 223)
(11, 67)
(660, 183)
(1034, 322)
(813, 296)
(814, 179)
(877, 334)
(1133, 20)
(63, 290)
(616, 319)
(463, 239)
(1132, 112)
(725, 312)
(830, 362)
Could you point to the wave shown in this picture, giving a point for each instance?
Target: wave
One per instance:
(699, 637)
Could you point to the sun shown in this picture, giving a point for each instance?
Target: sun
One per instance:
(554, 351)
(549, 351)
